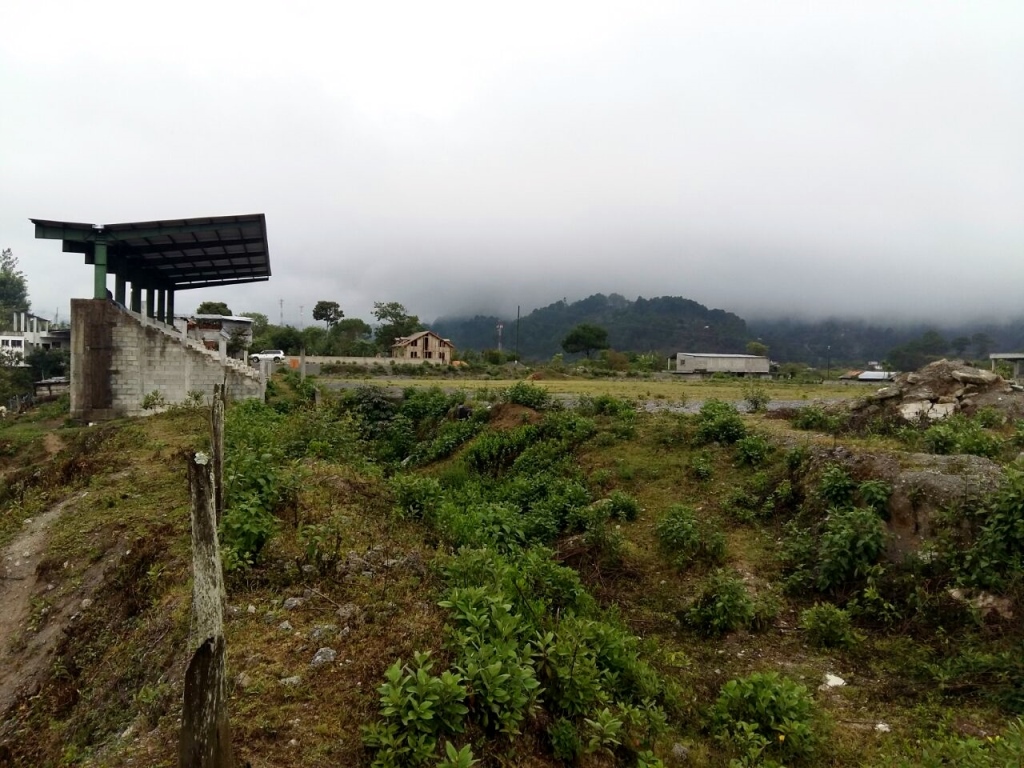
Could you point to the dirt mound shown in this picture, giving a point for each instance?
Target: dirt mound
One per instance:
(510, 416)
(944, 388)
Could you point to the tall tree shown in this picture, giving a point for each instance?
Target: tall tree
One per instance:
(585, 337)
(13, 288)
(213, 308)
(395, 322)
(757, 348)
(329, 312)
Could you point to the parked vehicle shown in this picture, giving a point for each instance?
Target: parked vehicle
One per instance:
(276, 355)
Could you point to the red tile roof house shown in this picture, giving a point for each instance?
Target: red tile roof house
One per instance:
(424, 346)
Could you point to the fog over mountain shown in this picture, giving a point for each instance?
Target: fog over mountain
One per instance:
(859, 160)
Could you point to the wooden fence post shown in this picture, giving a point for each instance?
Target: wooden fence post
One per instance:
(217, 447)
(205, 740)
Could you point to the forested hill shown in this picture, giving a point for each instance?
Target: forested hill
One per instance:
(664, 325)
(670, 324)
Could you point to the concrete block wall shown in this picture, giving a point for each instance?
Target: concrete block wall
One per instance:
(144, 357)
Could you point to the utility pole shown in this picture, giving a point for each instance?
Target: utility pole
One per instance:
(500, 326)
(517, 334)
(280, 304)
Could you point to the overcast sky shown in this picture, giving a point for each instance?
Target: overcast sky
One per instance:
(855, 158)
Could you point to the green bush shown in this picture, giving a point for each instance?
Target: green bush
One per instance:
(836, 487)
(818, 419)
(756, 397)
(623, 506)
(529, 395)
(416, 497)
(719, 422)
(684, 539)
(827, 626)
(765, 714)
(701, 466)
(959, 434)
(723, 605)
(752, 450)
(995, 559)
(875, 494)
(416, 708)
(852, 540)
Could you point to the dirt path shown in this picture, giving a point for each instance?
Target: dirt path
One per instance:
(23, 654)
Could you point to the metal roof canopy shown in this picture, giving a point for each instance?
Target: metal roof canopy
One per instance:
(171, 255)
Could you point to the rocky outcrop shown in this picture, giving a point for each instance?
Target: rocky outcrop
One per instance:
(944, 388)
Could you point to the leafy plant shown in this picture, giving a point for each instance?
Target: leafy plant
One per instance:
(529, 395)
(851, 542)
(836, 487)
(757, 397)
(723, 605)
(875, 494)
(752, 450)
(773, 709)
(828, 626)
(701, 467)
(416, 708)
(685, 539)
(623, 506)
(719, 422)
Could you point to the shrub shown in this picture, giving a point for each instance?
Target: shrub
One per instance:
(701, 467)
(827, 626)
(752, 450)
(623, 506)
(958, 434)
(757, 397)
(836, 486)
(875, 494)
(529, 395)
(415, 709)
(719, 422)
(684, 539)
(722, 606)
(997, 555)
(851, 542)
(765, 712)
(818, 419)
(416, 497)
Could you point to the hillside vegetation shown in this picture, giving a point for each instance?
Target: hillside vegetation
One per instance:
(529, 586)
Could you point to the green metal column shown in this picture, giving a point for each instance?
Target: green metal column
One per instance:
(119, 286)
(149, 302)
(170, 306)
(99, 290)
(136, 305)
(161, 306)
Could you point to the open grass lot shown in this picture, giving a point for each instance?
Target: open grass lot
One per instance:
(587, 584)
(659, 388)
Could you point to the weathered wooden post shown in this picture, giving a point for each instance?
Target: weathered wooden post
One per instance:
(205, 740)
(217, 447)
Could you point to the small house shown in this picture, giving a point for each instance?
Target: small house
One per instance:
(425, 346)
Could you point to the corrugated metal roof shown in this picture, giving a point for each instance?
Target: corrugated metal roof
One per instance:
(728, 354)
(175, 254)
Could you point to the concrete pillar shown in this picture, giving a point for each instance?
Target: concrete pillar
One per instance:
(136, 305)
(161, 305)
(149, 303)
(170, 306)
(100, 269)
(119, 289)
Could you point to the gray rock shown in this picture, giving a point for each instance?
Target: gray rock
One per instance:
(243, 680)
(680, 754)
(324, 656)
(291, 682)
(285, 626)
(292, 603)
(348, 613)
(322, 631)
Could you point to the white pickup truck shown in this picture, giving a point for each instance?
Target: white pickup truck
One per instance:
(276, 355)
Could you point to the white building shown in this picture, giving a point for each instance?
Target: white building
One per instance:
(702, 364)
(29, 333)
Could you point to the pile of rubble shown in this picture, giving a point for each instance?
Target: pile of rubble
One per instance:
(943, 388)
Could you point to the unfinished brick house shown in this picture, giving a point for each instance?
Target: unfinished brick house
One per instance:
(425, 346)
